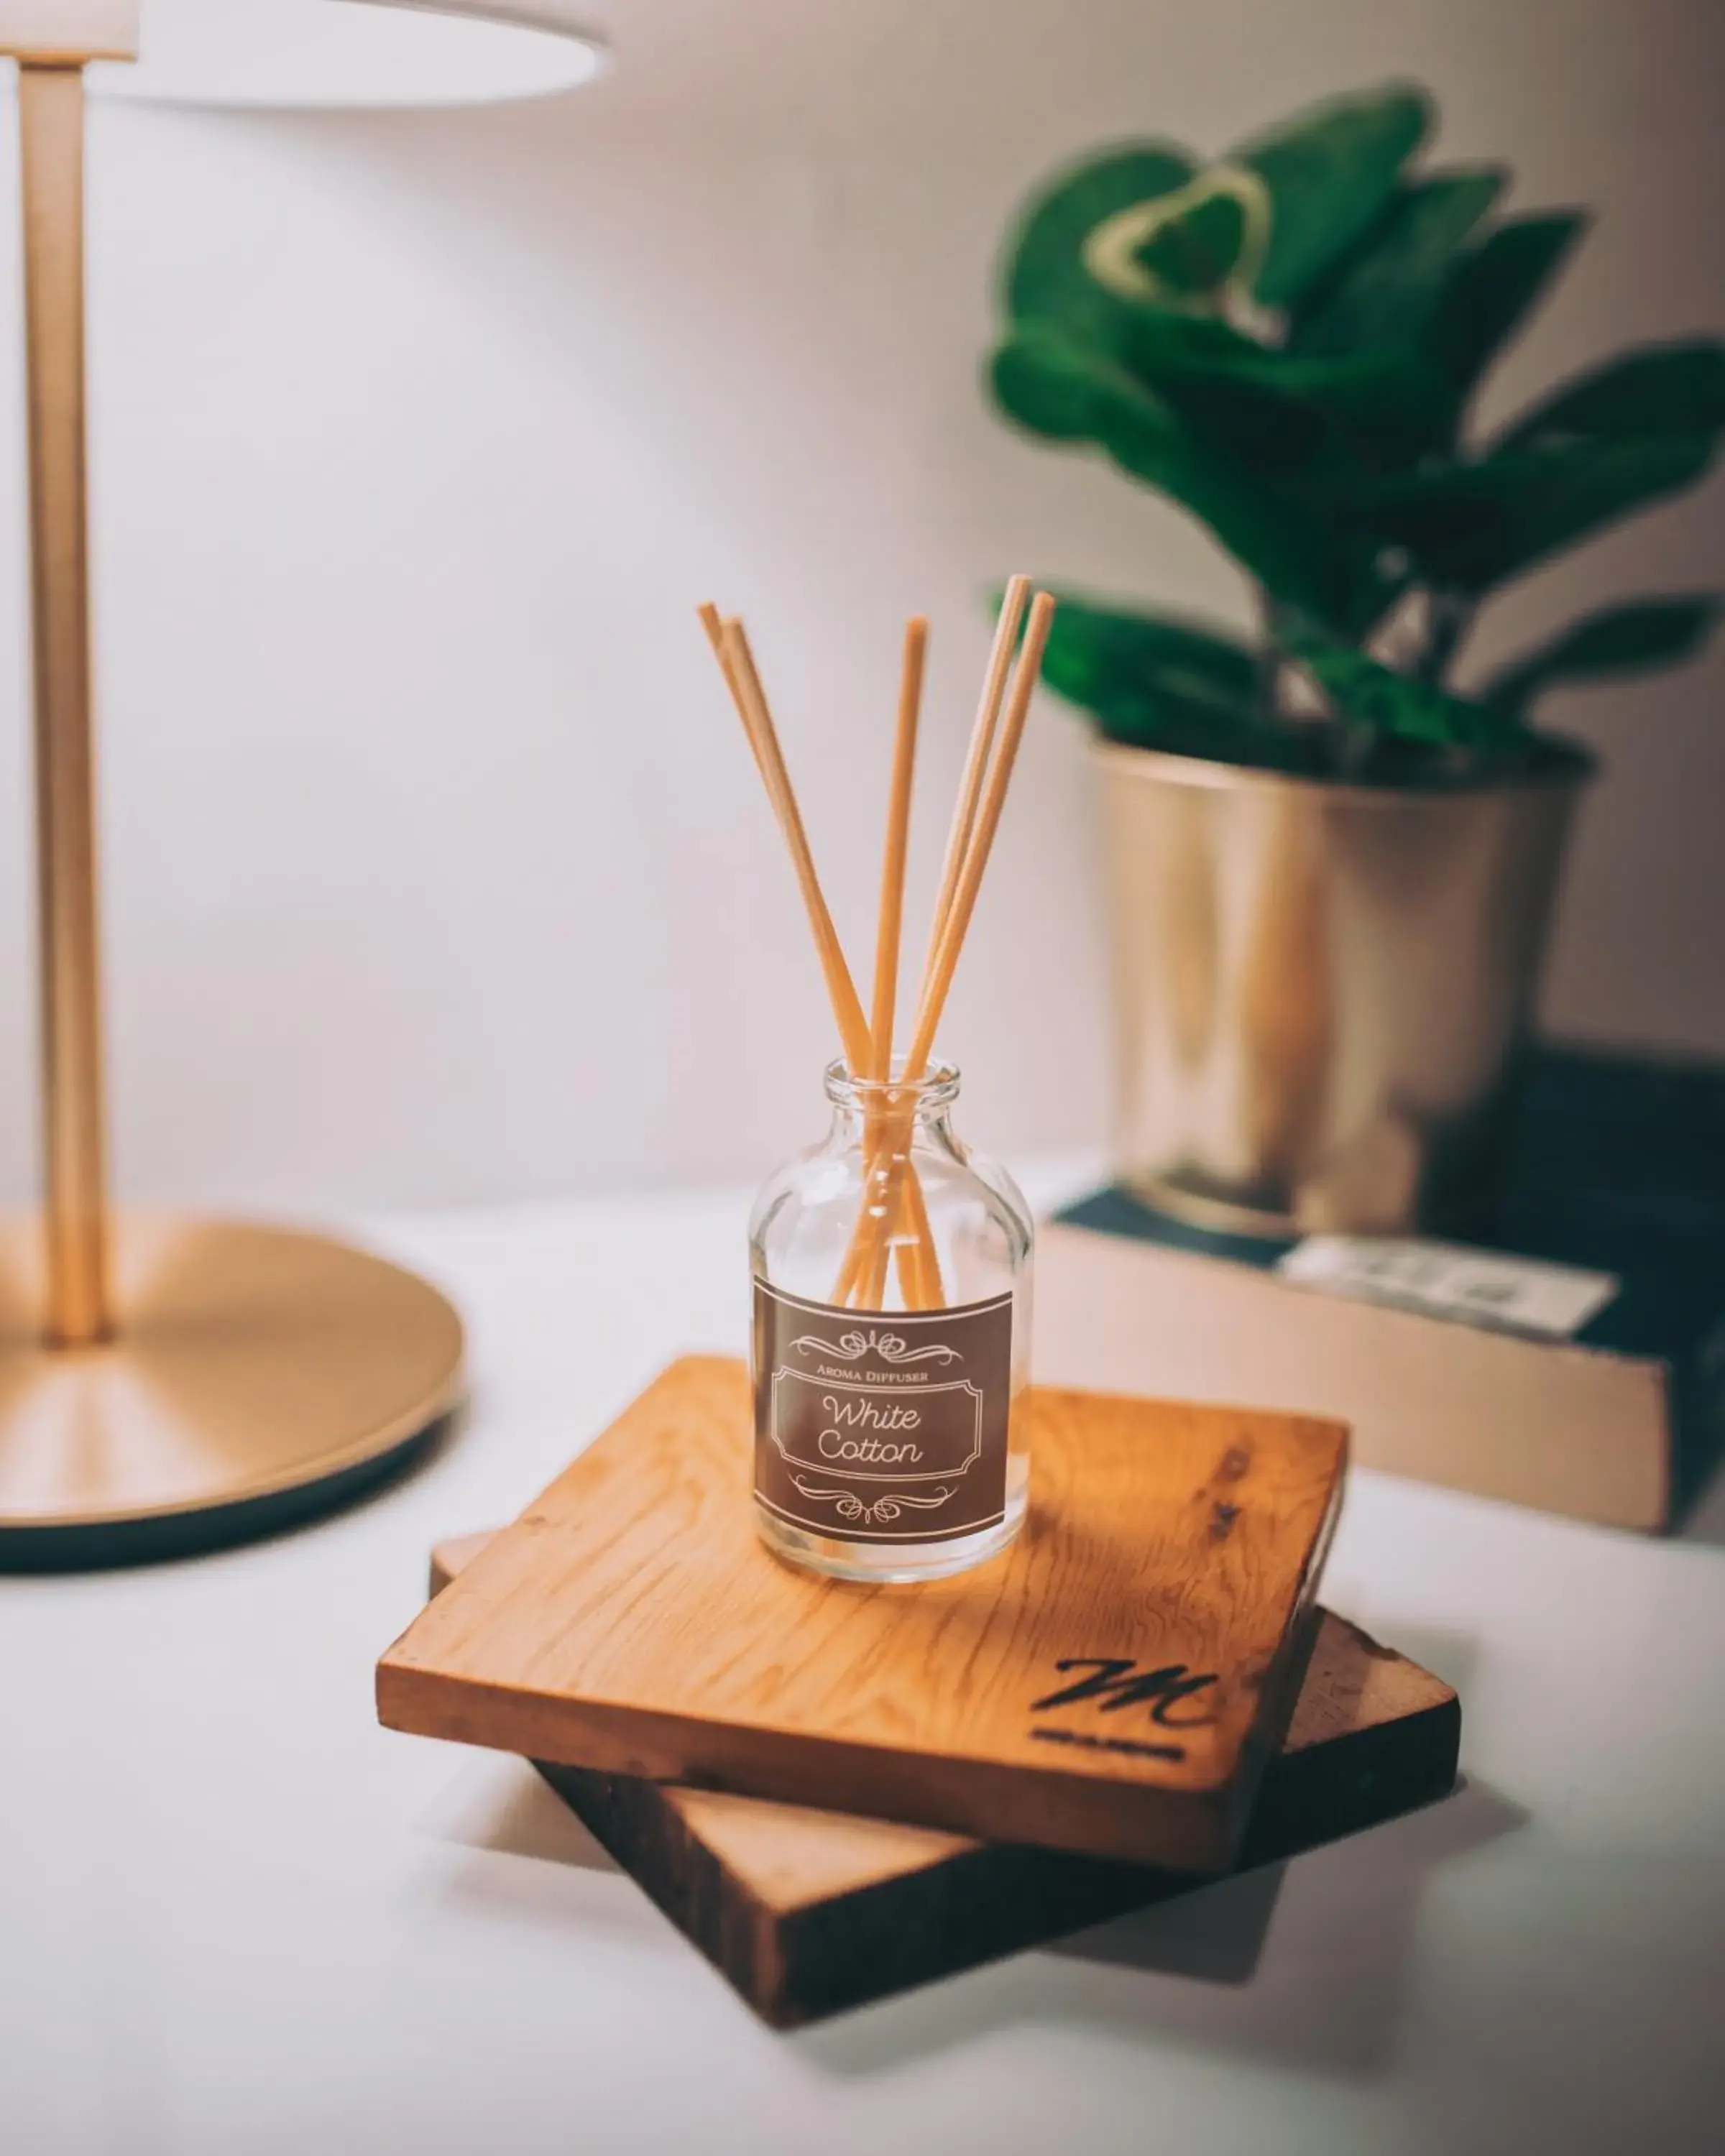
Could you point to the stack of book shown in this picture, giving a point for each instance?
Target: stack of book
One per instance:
(1569, 1355)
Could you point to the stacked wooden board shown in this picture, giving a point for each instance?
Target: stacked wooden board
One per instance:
(837, 1790)
(807, 1912)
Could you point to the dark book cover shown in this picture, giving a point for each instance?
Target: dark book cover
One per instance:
(1617, 1165)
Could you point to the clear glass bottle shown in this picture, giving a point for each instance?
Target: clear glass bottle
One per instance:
(892, 1272)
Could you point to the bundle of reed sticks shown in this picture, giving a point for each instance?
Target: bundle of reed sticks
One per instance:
(892, 1219)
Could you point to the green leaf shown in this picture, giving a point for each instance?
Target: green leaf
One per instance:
(1059, 390)
(1152, 680)
(1045, 277)
(1159, 339)
(1660, 389)
(1386, 292)
(1226, 441)
(1195, 252)
(1283, 413)
(1620, 639)
(1329, 172)
(1469, 527)
(1244, 401)
(1264, 529)
(1378, 701)
(1048, 385)
(1491, 291)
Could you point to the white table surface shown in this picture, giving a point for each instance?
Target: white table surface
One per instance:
(237, 1916)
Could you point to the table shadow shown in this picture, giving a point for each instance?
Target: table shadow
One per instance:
(1301, 1962)
(504, 1807)
(497, 1812)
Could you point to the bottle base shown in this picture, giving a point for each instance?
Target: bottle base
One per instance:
(886, 1564)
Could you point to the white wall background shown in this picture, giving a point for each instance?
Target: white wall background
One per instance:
(436, 869)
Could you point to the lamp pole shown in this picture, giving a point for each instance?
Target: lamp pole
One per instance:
(166, 1382)
(51, 139)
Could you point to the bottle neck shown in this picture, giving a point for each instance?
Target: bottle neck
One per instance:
(901, 1132)
(897, 1112)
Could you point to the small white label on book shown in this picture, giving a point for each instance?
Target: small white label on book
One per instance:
(1445, 1280)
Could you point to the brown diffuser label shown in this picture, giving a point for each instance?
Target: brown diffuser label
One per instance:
(882, 1428)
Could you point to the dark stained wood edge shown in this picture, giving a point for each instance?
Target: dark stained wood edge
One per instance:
(1287, 1674)
(913, 1926)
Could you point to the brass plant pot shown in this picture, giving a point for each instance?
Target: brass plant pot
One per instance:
(1322, 989)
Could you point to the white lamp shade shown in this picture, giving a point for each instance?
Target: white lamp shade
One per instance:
(359, 54)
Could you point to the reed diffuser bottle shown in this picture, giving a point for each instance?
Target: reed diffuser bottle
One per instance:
(890, 1441)
(891, 1267)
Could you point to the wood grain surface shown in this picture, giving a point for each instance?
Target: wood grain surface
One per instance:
(806, 1913)
(1113, 1684)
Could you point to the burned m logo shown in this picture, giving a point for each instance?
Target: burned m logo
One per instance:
(1116, 1682)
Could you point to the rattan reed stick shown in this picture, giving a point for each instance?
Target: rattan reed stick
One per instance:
(937, 981)
(976, 820)
(976, 758)
(891, 920)
(970, 786)
(744, 681)
(920, 1276)
(949, 942)
(889, 936)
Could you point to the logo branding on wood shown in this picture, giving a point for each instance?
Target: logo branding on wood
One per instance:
(1116, 1682)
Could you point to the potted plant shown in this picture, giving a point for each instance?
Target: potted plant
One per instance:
(1331, 866)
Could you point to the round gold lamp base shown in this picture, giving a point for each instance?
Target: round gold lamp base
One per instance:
(256, 1376)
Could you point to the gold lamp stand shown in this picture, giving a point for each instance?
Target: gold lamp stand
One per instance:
(166, 1383)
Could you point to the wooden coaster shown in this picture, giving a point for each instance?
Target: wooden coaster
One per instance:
(807, 1912)
(1114, 1684)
